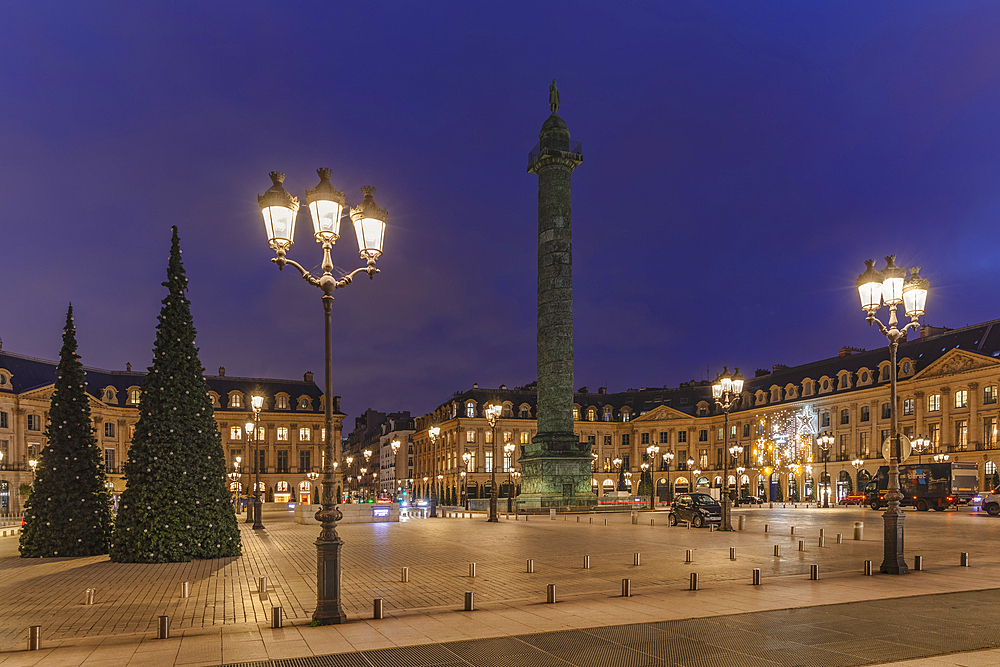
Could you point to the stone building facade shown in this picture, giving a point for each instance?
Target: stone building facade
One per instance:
(948, 383)
(291, 425)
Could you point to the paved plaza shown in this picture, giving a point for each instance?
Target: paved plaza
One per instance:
(226, 621)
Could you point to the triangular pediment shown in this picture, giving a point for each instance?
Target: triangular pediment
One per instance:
(956, 361)
(661, 412)
(44, 393)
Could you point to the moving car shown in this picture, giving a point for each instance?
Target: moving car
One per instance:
(852, 499)
(991, 503)
(698, 508)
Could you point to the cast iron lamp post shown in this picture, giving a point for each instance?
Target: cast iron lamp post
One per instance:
(652, 451)
(466, 457)
(726, 391)
(920, 444)
(434, 432)
(256, 403)
(395, 480)
(824, 442)
(941, 458)
(858, 464)
(892, 287)
(508, 451)
(644, 467)
(249, 432)
(735, 452)
(668, 458)
(326, 204)
(492, 414)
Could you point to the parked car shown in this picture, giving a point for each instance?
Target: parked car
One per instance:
(991, 503)
(750, 500)
(698, 508)
(852, 499)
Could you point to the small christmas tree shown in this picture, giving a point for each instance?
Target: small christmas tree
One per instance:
(176, 505)
(68, 512)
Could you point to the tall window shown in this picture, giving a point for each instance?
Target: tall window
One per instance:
(508, 461)
(644, 438)
(261, 460)
(626, 415)
(845, 416)
(576, 413)
(282, 434)
(34, 423)
(962, 434)
(607, 413)
(908, 406)
(489, 436)
(470, 436)
(845, 440)
(470, 409)
(525, 438)
(934, 435)
(962, 398)
(720, 434)
(281, 403)
(732, 431)
(703, 435)
(703, 458)
(886, 411)
(990, 432)
(304, 433)
(626, 438)
(507, 436)
(109, 459)
(236, 401)
(134, 395)
(607, 442)
(933, 402)
(305, 460)
(3, 420)
(109, 429)
(489, 460)
(682, 436)
(866, 413)
(282, 460)
(990, 395)
(235, 432)
(664, 438)
(863, 445)
(825, 419)
(592, 414)
(746, 430)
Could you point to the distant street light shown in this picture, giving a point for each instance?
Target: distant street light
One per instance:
(492, 413)
(825, 441)
(434, 432)
(726, 391)
(652, 451)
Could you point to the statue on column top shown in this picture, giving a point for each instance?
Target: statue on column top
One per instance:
(554, 98)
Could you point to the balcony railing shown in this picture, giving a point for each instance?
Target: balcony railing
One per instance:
(570, 148)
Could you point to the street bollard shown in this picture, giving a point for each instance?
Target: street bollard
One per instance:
(918, 563)
(163, 628)
(755, 579)
(652, 521)
(868, 568)
(605, 522)
(550, 594)
(793, 530)
(770, 506)
(693, 586)
(470, 600)
(822, 532)
(743, 522)
(277, 620)
(515, 517)
(472, 569)
(963, 560)
(404, 575)
(688, 525)
(565, 517)
(34, 637)
(185, 589)
(552, 514)
(732, 553)
(531, 565)
(262, 585)
(591, 520)
(526, 517)
(777, 550)
(635, 517)
(840, 538)
(814, 571)
(626, 588)
(635, 561)
(859, 530)
(578, 519)
(822, 541)
(711, 527)
(766, 528)
(91, 592)
(802, 545)
(688, 555)
(376, 609)
(586, 562)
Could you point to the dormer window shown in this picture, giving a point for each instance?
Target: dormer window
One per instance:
(525, 412)
(626, 415)
(576, 413)
(3, 379)
(591, 414)
(607, 413)
(865, 377)
(281, 402)
(907, 368)
(236, 400)
(133, 396)
(303, 403)
(470, 409)
(109, 395)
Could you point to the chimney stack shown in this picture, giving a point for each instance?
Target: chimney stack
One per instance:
(222, 371)
(128, 367)
(308, 376)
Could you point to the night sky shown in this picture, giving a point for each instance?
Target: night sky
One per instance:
(741, 160)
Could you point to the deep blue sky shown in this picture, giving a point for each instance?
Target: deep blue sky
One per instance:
(741, 161)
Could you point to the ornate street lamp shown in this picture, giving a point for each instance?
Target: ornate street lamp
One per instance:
(668, 458)
(824, 442)
(858, 464)
(941, 458)
(652, 451)
(892, 287)
(508, 453)
(492, 413)
(920, 445)
(726, 391)
(434, 432)
(466, 457)
(326, 205)
(256, 403)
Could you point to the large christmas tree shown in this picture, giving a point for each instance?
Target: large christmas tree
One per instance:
(68, 512)
(175, 506)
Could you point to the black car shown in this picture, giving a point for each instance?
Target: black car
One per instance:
(698, 508)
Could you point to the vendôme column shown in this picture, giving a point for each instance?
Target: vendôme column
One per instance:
(555, 466)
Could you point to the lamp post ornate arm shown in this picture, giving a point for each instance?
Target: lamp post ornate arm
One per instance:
(668, 457)
(652, 451)
(466, 457)
(892, 287)
(824, 442)
(492, 413)
(726, 391)
(326, 206)
(434, 432)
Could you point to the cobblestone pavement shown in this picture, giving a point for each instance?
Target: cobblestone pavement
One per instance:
(224, 597)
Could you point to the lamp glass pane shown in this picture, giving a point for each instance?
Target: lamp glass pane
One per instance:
(914, 299)
(257, 402)
(717, 390)
(892, 290)
(326, 217)
(279, 221)
(727, 384)
(738, 385)
(871, 295)
(370, 234)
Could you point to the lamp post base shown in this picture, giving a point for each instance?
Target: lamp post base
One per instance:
(328, 609)
(257, 510)
(493, 518)
(892, 558)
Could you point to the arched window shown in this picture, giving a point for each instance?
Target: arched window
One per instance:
(525, 412)
(236, 401)
(607, 413)
(591, 414)
(470, 409)
(576, 413)
(134, 395)
(626, 415)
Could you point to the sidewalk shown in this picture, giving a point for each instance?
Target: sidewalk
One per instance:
(225, 621)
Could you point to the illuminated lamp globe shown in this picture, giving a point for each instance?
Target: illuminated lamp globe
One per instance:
(892, 281)
(278, 209)
(738, 382)
(326, 206)
(915, 293)
(870, 287)
(369, 225)
(257, 402)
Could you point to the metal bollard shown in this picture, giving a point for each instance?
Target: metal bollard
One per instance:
(565, 517)
(470, 600)
(376, 609)
(277, 618)
(687, 525)
(693, 585)
(605, 522)
(822, 532)
(840, 538)
(777, 550)
(635, 517)
(755, 578)
(586, 562)
(868, 568)
(552, 514)
(591, 520)
(822, 541)
(802, 545)
(626, 588)
(531, 565)
(688, 555)
(711, 527)
(90, 595)
(262, 585)
(635, 561)
(918, 563)
(525, 517)
(814, 571)
(550, 594)
(770, 506)
(859, 530)
(163, 628)
(515, 517)
(472, 569)
(185, 589)
(793, 530)
(732, 553)
(963, 560)
(34, 637)
(743, 522)
(404, 575)
(766, 528)
(652, 522)
(578, 519)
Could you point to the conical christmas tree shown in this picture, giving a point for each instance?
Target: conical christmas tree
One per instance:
(69, 510)
(175, 506)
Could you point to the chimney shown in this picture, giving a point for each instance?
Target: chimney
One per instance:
(583, 390)
(308, 377)
(503, 386)
(848, 351)
(128, 367)
(222, 371)
(602, 390)
(475, 385)
(761, 372)
(778, 367)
